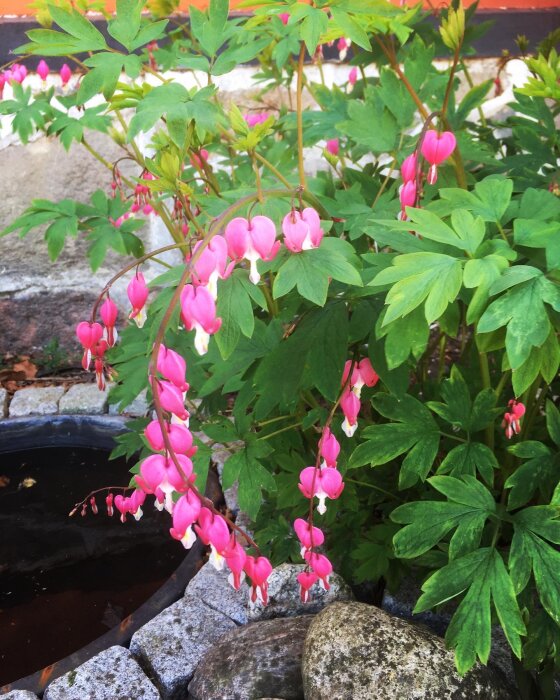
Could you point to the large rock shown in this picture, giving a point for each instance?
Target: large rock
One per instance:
(19, 695)
(284, 595)
(355, 651)
(111, 675)
(401, 603)
(171, 645)
(260, 659)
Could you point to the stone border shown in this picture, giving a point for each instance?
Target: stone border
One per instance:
(79, 399)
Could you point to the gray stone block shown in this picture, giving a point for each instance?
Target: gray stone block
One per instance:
(214, 589)
(138, 407)
(19, 695)
(3, 400)
(41, 401)
(85, 399)
(111, 675)
(284, 596)
(171, 645)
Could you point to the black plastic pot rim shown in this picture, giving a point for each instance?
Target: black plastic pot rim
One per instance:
(95, 432)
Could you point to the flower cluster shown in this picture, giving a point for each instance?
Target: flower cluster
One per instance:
(363, 374)
(512, 418)
(168, 473)
(435, 148)
(17, 73)
(321, 481)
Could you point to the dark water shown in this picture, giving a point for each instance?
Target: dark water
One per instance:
(66, 581)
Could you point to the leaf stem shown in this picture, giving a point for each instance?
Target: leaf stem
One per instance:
(299, 115)
(280, 430)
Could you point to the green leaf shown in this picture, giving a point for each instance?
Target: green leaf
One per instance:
(494, 194)
(361, 115)
(553, 422)
(469, 458)
(105, 73)
(414, 431)
(489, 200)
(474, 97)
(75, 24)
(247, 469)
(328, 350)
(310, 271)
(539, 472)
(350, 28)
(236, 311)
(532, 233)
(56, 234)
(533, 527)
(418, 277)
(522, 309)
(480, 274)
(126, 25)
(468, 507)
(484, 574)
(406, 336)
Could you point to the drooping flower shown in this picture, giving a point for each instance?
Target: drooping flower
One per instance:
(321, 565)
(302, 230)
(309, 535)
(17, 73)
(306, 580)
(258, 570)
(252, 240)
(322, 483)
(171, 398)
(130, 504)
(98, 351)
(160, 473)
(173, 367)
(214, 531)
(43, 69)
(350, 405)
(89, 334)
(436, 148)
(65, 74)
(254, 119)
(138, 292)
(409, 168)
(198, 160)
(333, 146)
(198, 312)
(363, 374)
(512, 418)
(407, 195)
(180, 437)
(353, 75)
(235, 557)
(212, 264)
(185, 514)
(109, 501)
(342, 46)
(284, 17)
(109, 313)
(330, 448)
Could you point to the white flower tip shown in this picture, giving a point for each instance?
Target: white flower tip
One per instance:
(201, 340)
(189, 538)
(217, 561)
(348, 429)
